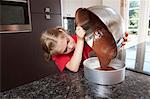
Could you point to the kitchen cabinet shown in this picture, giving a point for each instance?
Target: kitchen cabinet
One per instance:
(40, 22)
(21, 55)
(70, 6)
(39, 6)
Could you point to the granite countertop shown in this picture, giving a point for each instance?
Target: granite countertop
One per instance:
(70, 85)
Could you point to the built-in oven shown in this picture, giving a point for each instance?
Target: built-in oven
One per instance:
(15, 16)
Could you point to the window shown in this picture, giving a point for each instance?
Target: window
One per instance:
(146, 66)
(138, 26)
(133, 16)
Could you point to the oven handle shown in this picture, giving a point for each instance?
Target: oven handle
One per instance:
(22, 1)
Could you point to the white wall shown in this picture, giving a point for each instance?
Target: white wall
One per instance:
(69, 7)
(115, 4)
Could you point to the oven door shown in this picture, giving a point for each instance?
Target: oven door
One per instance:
(15, 16)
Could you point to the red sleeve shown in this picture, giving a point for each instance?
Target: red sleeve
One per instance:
(86, 50)
(61, 61)
(75, 38)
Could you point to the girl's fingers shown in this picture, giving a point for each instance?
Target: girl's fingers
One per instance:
(80, 31)
(125, 39)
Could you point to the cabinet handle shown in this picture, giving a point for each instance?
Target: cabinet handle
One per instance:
(47, 10)
(47, 16)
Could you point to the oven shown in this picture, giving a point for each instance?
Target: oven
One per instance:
(15, 16)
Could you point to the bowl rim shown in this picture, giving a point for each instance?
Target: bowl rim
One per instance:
(122, 68)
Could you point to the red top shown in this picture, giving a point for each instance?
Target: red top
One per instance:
(62, 59)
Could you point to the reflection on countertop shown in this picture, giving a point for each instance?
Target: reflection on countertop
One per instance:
(137, 57)
(70, 85)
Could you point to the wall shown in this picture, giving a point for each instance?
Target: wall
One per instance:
(115, 4)
(70, 6)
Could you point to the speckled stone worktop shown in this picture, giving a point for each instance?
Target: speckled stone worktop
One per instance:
(70, 85)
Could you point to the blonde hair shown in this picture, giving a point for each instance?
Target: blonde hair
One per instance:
(49, 41)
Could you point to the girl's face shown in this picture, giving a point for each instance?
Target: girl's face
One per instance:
(65, 44)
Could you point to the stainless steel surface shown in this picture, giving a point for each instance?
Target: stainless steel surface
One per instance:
(13, 28)
(89, 39)
(111, 19)
(23, 1)
(104, 77)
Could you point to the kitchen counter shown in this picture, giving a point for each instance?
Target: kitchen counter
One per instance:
(70, 85)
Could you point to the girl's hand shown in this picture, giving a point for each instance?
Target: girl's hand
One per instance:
(125, 39)
(80, 32)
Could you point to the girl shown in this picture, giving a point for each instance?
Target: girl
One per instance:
(67, 51)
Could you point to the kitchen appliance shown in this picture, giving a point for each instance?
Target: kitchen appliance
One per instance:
(15, 16)
(104, 77)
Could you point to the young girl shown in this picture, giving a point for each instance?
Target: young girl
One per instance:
(67, 51)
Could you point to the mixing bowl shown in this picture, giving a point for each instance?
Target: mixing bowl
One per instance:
(89, 19)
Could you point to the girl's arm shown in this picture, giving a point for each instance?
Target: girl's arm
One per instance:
(74, 63)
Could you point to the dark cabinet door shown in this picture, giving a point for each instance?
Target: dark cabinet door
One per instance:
(21, 59)
(40, 25)
(39, 6)
(40, 22)
(22, 56)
